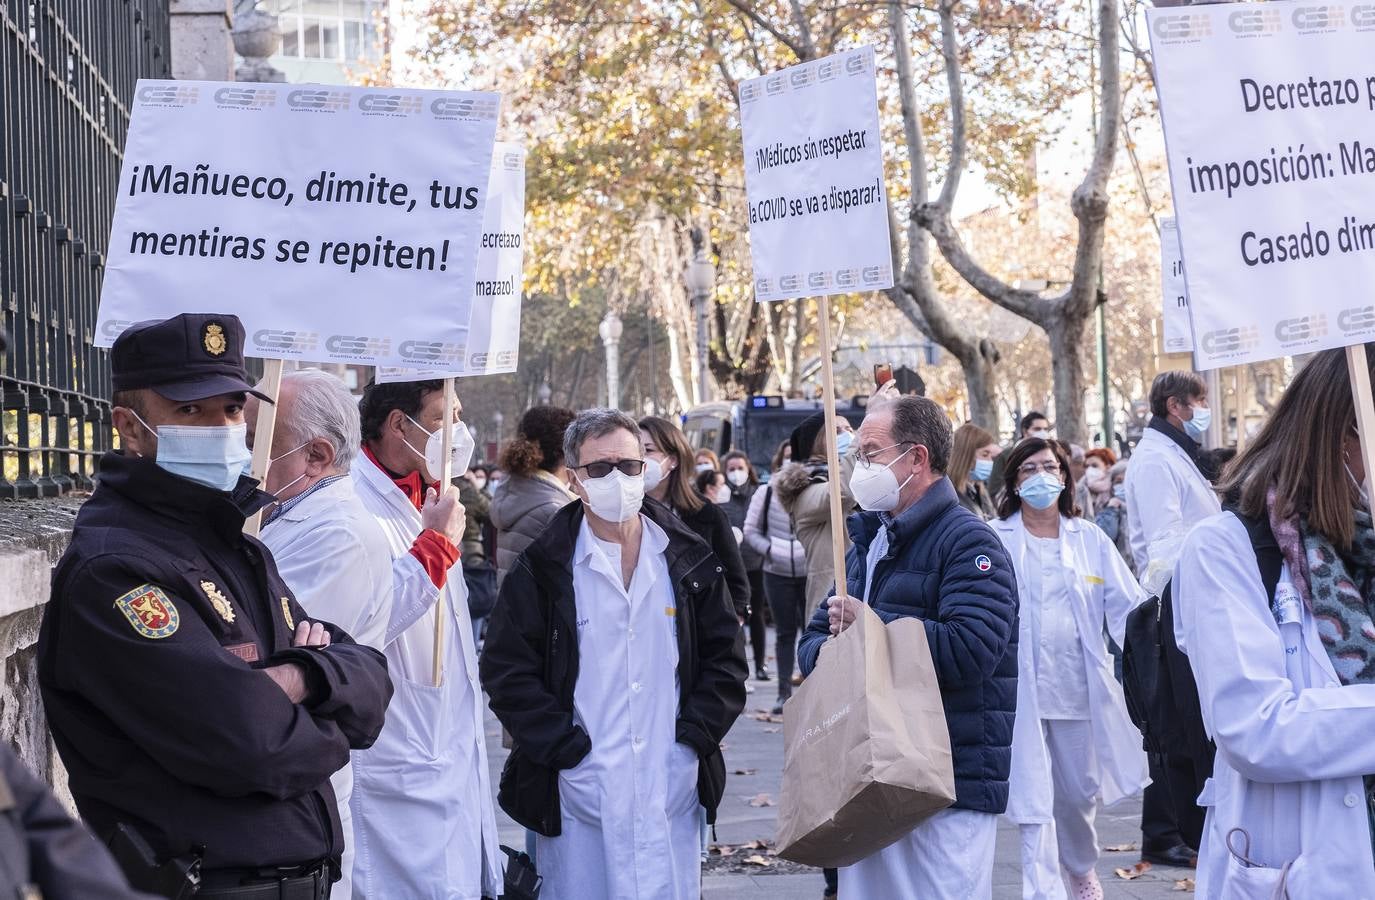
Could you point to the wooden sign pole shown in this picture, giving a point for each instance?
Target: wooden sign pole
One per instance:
(823, 314)
(1358, 367)
(263, 430)
(446, 476)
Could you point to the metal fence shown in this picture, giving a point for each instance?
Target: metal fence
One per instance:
(67, 73)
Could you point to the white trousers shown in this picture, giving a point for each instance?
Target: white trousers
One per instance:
(947, 857)
(1041, 864)
(1073, 767)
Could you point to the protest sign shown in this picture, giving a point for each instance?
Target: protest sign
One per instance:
(814, 179)
(307, 211)
(493, 336)
(1269, 116)
(1174, 294)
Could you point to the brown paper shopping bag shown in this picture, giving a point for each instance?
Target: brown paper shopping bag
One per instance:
(867, 751)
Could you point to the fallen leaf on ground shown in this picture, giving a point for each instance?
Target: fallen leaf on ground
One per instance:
(1121, 848)
(763, 716)
(744, 771)
(761, 800)
(771, 730)
(1135, 871)
(723, 850)
(757, 861)
(756, 844)
(1184, 884)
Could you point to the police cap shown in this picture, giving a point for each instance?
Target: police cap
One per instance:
(187, 357)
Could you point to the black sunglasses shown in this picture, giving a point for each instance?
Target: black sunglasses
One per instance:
(631, 467)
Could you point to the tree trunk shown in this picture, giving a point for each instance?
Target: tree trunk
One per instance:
(980, 379)
(1069, 352)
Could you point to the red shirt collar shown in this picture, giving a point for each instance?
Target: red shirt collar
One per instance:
(412, 485)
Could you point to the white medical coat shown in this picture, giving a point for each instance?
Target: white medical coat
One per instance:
(1100, 587)
(333, 555)
(630, 827)
(1292, 742)
(422, 801)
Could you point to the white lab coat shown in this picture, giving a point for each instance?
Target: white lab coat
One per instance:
(630, 807)
(422, 803)
(1166, 496)
(1101, 587)
(334, 557)
(1292, 742)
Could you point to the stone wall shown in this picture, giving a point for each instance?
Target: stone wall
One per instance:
(33, 534)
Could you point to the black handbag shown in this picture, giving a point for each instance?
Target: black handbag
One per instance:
(482, 589)
(1162, 696)
(522, 881)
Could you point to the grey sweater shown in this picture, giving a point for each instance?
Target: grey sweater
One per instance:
(521, 508)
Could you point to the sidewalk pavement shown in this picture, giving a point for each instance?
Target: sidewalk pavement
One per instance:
(755, 744)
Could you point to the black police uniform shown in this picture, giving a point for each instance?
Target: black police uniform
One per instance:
(43, 853)
(162, 610)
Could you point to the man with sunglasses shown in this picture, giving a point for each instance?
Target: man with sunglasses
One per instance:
(917, 552)
(616, 662)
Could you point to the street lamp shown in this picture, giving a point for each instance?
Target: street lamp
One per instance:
(497, 420)
(543, 393)
(700, 279)
(610, 329)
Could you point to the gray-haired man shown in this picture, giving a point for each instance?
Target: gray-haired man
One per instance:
(329, 549)
(612, 759)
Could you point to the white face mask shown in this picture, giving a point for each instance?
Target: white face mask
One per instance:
(479, 483)
(615, 497)
(284, 488)
(705, 467)
(1042, 433)
(738, 477)
(212, 455)
(721, 494)
(876, 488)
(460, 452)
(654, 474)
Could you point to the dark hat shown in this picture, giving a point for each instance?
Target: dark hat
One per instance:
(803, 438)
(187, 357)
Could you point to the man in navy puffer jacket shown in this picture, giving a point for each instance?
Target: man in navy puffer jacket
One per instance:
(917, 552)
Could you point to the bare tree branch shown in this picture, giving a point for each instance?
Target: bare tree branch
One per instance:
(782, 36)
(950, 52)
(800, 20)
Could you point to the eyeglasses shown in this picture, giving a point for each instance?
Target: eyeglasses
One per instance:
(1031, 468)
(601, 469)
(868, 458)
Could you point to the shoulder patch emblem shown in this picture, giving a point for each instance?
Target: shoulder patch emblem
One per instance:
(219, 601)
(150, 611)
(214, 340)
(286, 614)
(983, 563)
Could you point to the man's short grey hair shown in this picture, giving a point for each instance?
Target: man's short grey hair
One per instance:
(920, 420)
(323, 407)
(1181, 384)
(591, 424)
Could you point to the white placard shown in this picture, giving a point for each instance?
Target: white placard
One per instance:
(494, 330)
(1269, 114)
(339, 223)
(814, 179)
(1174, 293)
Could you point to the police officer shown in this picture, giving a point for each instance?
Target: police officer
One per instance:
(199, 714)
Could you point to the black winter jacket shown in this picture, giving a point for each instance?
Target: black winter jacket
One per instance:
(530, 662)
(711, 524)
(947, 568)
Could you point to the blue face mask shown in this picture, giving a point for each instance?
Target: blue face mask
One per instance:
(982, 469)
(212, 455)
(1120, 492)
(843, 442)
(1041, 490)
(1198, 425)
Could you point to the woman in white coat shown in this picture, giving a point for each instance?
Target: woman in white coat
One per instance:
(1280, 587)
(1073, 744)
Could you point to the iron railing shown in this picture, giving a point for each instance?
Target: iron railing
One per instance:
(67, 74)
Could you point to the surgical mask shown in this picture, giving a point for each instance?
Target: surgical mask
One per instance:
(721, 494)
(705, 467)
(876, 488)
(654, 474)
(283, 489)
(1042, 433)
(1094, 477)
(738, 477)
(844, 440)
(1041, 490)
(1120, 492)
(1198, 425)
(212, 455)
(616, 496)
(1361, 491)
(460, 452)
(479, 483)
(982, 469)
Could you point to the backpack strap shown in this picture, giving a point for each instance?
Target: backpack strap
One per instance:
(768, 496)
(1268, 557)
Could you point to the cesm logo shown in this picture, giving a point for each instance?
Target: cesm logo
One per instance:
(511, 162)
(800, 78)
(773, 85)
(389, 105)
(763, 285)
(114, 328)
(502, 359)
(1308, 19)
(856, 64)
(871, 275)
(827, 69)
(749, 92)
(451, 109)
(277, 341)
(1363, 16)
(1231, 340)
(818, 280)
(1301, 330)
(1254, 22)
(245, 98)
(1357, 319)
(789, 282)
(168, 95)
(342, 345)
(847, 278)
(431, 352)
(317, 100)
